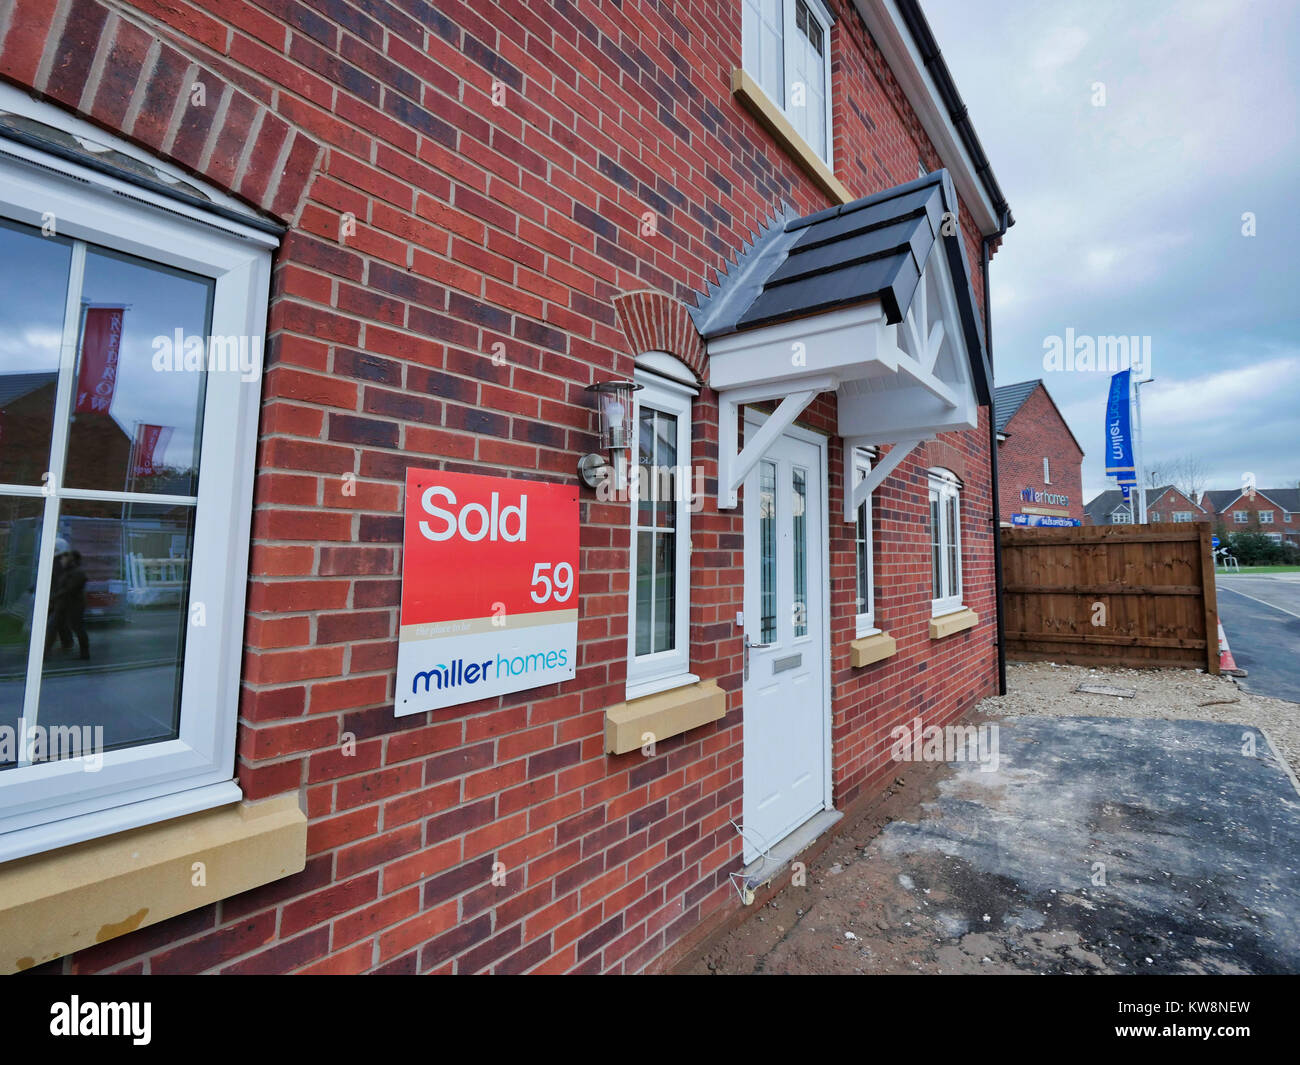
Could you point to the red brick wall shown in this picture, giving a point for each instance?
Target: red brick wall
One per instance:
(1035, 430)
(477, 226)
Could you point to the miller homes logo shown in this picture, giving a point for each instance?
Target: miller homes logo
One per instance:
(1029, 495)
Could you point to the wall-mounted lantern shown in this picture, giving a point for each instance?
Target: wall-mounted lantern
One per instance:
(614, 406)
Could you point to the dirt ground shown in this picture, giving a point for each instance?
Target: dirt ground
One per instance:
(879, 901)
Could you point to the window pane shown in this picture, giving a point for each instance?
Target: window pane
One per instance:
(645, 457)
(767, 551)
(954, 547)
(664, 588)
(935, 545)
(800, 552)
(33, 294)
(138, 393)
(864, 561)
(644, 591)
(20, 543)
(115, 639)
(666, 471)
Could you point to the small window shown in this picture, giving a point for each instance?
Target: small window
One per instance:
(1275, 537)
(1184, 515)
(1240, 516)
(945, 542)
(660, 488)
(865, 610)
(787, 51)
(1266, 517)
(1047, 471)
(1153, 516)
(1123, 516)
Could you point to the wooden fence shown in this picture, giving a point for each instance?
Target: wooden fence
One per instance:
(1113, 595)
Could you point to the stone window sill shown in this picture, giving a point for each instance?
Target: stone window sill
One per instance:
(663, 714)
(958, 621)
(874, 648)
(765, 109)
(61, 901)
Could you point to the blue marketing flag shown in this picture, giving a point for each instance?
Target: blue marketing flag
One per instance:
(1119, 436)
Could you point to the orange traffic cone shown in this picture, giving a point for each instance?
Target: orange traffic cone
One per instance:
(1227, 664)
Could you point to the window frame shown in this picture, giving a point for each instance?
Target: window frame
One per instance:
(1184, 516)
(947, 487)
(661, 670)
(1241, 517)
(1047, 471)
(864, 621)
(1266, 517)
(53, 804)
(789, 36)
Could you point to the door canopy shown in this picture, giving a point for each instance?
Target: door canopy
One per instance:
(871, 300)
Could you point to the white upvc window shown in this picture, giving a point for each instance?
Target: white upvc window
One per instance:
(1122, 516)
(786, 49)
(1275, 537)
(1153, 516)
(865, 585)
(126, 479)
(1241, 517)
(1047, 471)
(945, 542)
(1266, 517)
(1184, 515)
(660, 485)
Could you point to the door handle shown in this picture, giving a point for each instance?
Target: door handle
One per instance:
(750, 645)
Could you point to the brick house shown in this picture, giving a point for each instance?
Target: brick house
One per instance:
(1165, 503)
(433, 228)
(1040, 463)
(1275, 512)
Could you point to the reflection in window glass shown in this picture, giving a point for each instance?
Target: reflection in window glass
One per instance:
(33, 295)
(767, 551)
(115, 630)
(20, 543)
(800, 517)
(137, 401)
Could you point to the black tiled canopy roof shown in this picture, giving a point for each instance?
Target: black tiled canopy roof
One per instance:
(873, 249)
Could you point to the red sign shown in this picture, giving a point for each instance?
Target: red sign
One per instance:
(489, 588)
(150, 442)
(101, 344)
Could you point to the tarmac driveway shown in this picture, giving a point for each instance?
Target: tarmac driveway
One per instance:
(1098, 844)
(1261, 615)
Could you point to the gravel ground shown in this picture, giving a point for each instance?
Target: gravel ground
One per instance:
(1171, 694)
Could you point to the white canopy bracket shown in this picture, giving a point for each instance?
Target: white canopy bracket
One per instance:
(875, 476)
(733, 468)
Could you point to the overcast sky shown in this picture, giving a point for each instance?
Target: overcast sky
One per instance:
(1129, 215)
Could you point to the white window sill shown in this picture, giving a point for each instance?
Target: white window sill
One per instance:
(660, 684)
(52, 835)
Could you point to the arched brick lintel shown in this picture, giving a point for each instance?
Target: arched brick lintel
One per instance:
(655, 321)
(941, 453)
(165, 94)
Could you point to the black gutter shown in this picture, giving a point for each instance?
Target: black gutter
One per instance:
(993, 456)
(922, 36)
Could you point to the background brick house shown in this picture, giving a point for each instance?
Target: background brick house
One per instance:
(1165, 503)
(1037, 453)
(1275, 512)
(556, 185)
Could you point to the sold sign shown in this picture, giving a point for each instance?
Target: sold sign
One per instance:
(489, 588)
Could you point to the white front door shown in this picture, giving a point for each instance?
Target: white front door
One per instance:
(786, 711)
